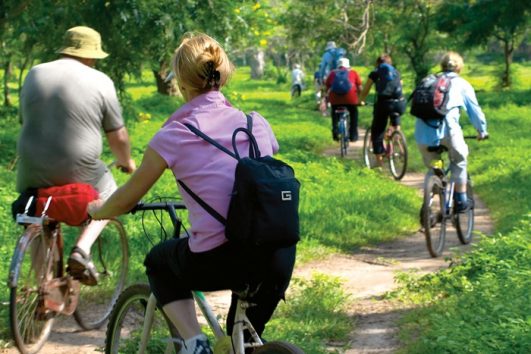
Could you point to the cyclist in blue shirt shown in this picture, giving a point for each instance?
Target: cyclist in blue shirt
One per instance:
(449, 132)
(327, 61)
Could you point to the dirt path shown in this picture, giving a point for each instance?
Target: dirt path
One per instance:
(367, 274)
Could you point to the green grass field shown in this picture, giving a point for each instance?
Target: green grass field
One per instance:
(343, 205)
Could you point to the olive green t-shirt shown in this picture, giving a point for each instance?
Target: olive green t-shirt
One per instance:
(64, 106)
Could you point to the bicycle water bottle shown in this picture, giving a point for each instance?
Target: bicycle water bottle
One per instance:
(438, 167)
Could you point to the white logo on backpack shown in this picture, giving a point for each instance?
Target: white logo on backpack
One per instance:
(285, 195)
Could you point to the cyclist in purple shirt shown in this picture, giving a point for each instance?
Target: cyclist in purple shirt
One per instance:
(449, 132)
(206, 260)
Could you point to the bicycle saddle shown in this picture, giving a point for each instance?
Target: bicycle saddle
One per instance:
(437, 148)
(247, 291)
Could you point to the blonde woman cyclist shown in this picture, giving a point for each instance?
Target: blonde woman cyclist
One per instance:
(206, 260)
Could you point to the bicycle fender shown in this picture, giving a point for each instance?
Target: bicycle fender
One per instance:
(14, 268)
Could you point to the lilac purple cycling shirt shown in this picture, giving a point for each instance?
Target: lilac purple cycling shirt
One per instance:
(206, 170)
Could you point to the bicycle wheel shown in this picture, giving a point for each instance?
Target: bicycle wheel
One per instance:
(397, 154)
(126, 323)
(31, 266)
(464, 222)
(278, 347)
(368, 151)
(433, 216)
(110, 257)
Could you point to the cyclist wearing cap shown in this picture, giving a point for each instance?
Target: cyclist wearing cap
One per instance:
(349, 99)
(64, 105)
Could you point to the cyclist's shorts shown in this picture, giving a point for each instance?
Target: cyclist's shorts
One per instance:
(106, 185)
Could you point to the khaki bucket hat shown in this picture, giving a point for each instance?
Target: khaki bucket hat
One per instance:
(83, 42)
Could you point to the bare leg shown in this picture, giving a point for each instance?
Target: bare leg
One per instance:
(89, 234)
(460, 188)
(379, 159)
(183, 316)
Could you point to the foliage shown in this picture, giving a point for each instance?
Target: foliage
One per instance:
(314, 314)
(480, 305)
(475, 22)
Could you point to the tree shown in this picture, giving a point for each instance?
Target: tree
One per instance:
(8, 10)
(477, 21)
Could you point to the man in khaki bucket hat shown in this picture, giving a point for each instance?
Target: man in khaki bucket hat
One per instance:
(65, 105)
(83, 42)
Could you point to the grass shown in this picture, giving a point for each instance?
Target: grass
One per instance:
(482, 305)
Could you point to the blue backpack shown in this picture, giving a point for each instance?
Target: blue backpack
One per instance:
(341, 84)
(337, 53)
(388, 83)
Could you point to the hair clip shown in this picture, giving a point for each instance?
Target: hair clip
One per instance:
(213, 76)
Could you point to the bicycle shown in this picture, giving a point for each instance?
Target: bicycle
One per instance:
(438, 206)
(40, 288)
(395, 152)
(137, 325)
(343, 129)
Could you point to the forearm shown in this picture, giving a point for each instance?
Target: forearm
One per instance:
(120, 146)
(120, 202)
(366, 89)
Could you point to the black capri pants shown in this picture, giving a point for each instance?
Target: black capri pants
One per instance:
(174, 270)
(384, 109)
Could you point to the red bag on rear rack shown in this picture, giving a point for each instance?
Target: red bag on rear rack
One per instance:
(69, 202)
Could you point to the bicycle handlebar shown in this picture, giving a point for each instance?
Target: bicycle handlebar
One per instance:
(475, 137)
(170, 207)
(141, 206)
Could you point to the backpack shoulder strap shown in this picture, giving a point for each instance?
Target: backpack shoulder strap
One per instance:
(209, 140)
(203, 204)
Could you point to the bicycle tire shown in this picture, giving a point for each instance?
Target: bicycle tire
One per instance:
(464, 222)
(342, 130)
(368, 150)
(110, 255)
(278, 347)
(126, 323)
(398, 154)
(30, 332)
(433, 216)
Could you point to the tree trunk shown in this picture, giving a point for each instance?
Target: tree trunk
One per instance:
(7, 74)
(165, 88)
(28, 63)
(508, 54)
(257, 63)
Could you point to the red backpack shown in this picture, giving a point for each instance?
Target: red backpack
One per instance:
(68, 204)
(430, 99)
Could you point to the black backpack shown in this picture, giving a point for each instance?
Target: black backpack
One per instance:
(429, 100)
(264, 207)
(388, 84)
(341, 84)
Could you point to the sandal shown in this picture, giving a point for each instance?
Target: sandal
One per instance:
(80, 267)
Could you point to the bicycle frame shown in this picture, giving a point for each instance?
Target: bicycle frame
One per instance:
(449, 189)
(241, 321)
